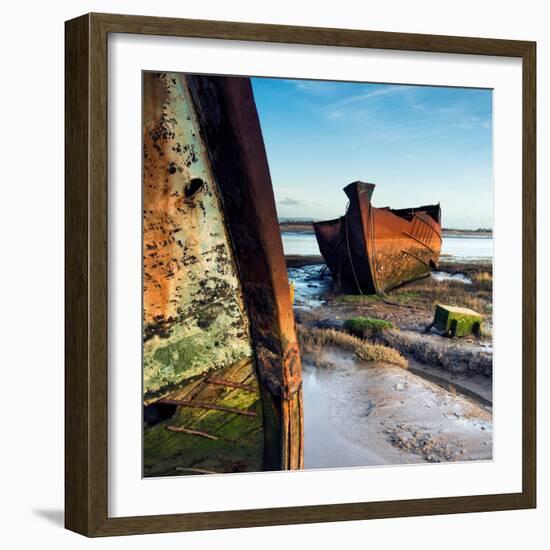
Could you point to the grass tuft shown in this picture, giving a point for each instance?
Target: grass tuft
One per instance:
(477, 296)
(312, 340)
(360, 326)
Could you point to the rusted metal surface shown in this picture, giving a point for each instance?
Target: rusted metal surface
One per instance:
(371, 250)
(194, 318)
(231, 130)
(216, 293)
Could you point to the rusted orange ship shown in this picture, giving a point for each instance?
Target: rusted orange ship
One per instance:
(372, 250)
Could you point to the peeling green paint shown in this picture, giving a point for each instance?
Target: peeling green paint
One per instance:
(194, 318)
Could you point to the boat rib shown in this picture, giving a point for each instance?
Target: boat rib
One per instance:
(203, 405)
(419, 241)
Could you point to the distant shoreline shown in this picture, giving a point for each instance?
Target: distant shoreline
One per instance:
(459, 266)
(307, 227)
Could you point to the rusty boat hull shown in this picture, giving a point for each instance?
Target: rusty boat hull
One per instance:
(373, 250)
(221, 368)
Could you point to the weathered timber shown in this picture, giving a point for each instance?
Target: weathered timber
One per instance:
(230, 384)
(203, 405)
(184, 430)
(165, 450)
(231, 131)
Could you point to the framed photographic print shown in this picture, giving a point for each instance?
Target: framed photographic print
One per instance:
(300, 275)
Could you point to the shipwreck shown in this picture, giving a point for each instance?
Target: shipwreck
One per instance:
(373, 250)
(221, 368)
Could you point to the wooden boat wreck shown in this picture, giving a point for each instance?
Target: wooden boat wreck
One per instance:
(221, 368)
(372, 250)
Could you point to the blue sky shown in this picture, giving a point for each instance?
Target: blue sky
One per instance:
(418, 144)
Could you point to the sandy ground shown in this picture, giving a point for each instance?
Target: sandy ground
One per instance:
(364, 414)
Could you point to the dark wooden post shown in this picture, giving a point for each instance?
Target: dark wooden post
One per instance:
(231, 131)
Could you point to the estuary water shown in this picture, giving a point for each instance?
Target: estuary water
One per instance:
(454, 247)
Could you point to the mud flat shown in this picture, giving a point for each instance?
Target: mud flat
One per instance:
(374, 413)
(361, 413)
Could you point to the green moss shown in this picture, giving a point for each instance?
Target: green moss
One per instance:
(362, 325)
(188, 353)
(239, 446)
(240, 439)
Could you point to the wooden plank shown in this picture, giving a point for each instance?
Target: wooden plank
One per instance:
(202, 405)
(181, 429)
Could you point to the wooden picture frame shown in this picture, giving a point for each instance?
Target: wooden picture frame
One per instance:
(86, 420)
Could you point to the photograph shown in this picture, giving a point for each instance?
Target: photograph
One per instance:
(341, 317)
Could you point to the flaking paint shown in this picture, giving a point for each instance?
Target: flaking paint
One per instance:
(194, 318)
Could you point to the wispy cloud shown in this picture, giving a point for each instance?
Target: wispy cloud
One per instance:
(473, 123)
(317, 87)
(380, 108)
(287, 201)
(417, 143)
(371, 94)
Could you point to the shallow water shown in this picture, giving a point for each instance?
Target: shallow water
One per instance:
(441, 276)
(453, 247)
(310, 282)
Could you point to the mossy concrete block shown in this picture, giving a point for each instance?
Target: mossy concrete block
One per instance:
(457, 321)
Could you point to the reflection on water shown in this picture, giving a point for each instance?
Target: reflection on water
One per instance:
(458, 247)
